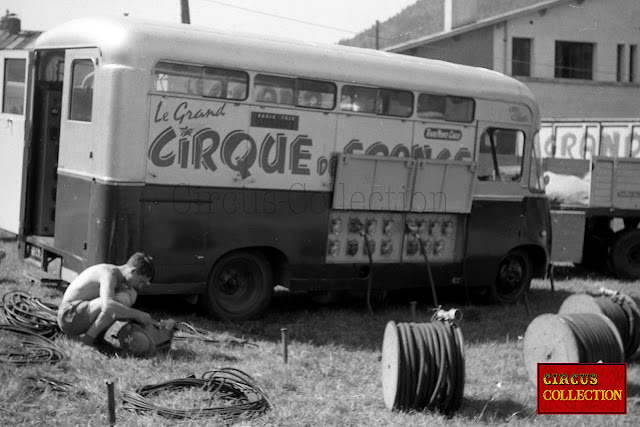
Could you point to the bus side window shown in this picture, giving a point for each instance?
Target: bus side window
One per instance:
(266, 89)
(358, 98)
(315, 94)
(81, 99)
(500, 155)
(445, 107)
(219, 83)
(395, 103)
(14, 86)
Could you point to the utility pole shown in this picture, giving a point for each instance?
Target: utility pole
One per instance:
(377, 35)
(184, 8)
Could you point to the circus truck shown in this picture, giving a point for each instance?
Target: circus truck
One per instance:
(241, 163)
(592, 174)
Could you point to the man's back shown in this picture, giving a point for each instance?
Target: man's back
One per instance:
(86, 286)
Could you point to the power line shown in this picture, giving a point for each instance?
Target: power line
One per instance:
(273, 15)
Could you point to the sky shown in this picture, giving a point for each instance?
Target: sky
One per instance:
(326, 21)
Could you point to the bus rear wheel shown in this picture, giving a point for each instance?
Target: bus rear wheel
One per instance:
(240, 286)
(513, 280)
(624, 255)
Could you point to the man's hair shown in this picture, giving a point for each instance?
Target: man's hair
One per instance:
(143, 264)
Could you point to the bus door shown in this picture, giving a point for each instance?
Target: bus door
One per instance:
(75, 158)
(496, 214)
(13, 95)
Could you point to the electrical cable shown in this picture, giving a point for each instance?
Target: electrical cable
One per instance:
(186, 331)
(34, 348)
(429, 274)
(597, 340)
(21, 309)
(241, 395)
(427, 369)
(624, 314)
(370, 278)
(619, 308)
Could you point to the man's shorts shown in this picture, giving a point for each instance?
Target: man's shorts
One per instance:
(74, 317)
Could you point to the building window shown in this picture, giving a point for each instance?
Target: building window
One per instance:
(633, 61)
(521, 57)
(620, 63)
(574, 60)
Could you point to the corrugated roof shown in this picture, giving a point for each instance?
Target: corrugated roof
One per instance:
(24, 40)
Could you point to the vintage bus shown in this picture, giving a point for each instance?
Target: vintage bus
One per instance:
(241, 163)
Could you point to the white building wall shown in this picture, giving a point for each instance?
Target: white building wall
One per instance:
(603, 22)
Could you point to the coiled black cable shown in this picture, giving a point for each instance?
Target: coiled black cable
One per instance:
(242, 396)
(624, 313)
(21, 309)
(617, 307)
(34, 348)
(597, 340)
(426, 370)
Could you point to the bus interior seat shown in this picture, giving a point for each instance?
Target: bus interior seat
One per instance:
(286, 96)
(266, 94)
(239, 92)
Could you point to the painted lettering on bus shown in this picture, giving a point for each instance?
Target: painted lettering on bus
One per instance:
(182, 112)
(238, 151)
(400, 150)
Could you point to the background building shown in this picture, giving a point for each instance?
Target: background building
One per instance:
(12, 36)
(579, 57)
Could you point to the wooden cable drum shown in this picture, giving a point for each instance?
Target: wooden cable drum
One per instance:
(571, 338)
(618, 307)
(423, 366)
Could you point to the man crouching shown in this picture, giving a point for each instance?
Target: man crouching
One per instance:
(102, 294)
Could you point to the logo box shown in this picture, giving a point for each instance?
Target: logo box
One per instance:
(582, 388)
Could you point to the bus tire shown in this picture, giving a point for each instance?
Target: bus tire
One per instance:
(513, 278)
(240, 286)
(624, 255)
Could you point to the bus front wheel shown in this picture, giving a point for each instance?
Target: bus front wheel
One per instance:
(240, 286)
(513, 280)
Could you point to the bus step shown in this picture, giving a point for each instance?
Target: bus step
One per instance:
(45, 279)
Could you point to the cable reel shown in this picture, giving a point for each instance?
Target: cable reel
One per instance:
(618, 307)
(146, 341)
(571, 338)
(423, 365)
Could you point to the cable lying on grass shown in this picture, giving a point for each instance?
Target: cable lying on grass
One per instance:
(21, 309)
(31, 347)
(238, 392)
(185, 331)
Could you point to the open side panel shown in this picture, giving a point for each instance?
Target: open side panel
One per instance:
(443, 186)
(14, 66)
(374, 183)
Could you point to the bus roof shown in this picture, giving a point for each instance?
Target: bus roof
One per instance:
(140, 44)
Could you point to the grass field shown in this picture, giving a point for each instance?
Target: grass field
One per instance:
(333, 374)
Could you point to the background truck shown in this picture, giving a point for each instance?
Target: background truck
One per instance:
(593, 183)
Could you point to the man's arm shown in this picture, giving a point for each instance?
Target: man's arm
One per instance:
(108, 283)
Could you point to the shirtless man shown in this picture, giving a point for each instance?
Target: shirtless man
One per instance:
(102, 294)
